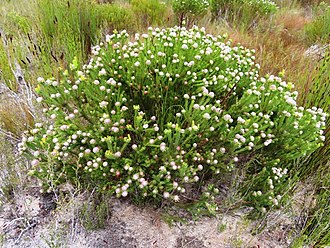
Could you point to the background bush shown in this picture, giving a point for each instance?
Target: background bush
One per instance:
(188, 11)
(242, 12)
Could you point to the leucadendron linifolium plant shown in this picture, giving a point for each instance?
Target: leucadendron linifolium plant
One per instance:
(153, 114)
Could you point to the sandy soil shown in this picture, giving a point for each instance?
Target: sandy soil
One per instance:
(31, 221)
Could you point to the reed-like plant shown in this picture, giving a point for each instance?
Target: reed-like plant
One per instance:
(317, 168)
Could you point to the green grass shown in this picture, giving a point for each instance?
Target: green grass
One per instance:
(149, 12)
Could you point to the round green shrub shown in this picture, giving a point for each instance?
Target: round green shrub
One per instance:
(153, 115)
(188, 10)
(194, 7)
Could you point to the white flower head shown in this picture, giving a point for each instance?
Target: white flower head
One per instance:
(102, 72)
(166, 195)
(162, 146)
(227, 117)
(207, 116)
(34, 162)
(103, 104)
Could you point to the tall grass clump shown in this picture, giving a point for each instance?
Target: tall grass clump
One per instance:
(13, 170)
(318, 95)
(6, 165)
(6, 74)
(157, 115)
(14, 47)
(317, 168)
(68, 27)
(316, 226)
(49, 34)
(319, 29)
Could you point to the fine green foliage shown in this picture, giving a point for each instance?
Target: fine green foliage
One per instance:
(152, 115)
(319, 29)
(21, 22)
(48, 34)
(242, 13)
(8, 180)
(13, 46)
(316, 230)
(12, 171)
(95, 213)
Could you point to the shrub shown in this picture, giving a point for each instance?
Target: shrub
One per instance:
(242, 12)
(154, 115)
(189, 9)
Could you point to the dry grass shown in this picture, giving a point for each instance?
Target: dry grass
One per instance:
(278, 43)
(274, 52)
(15, 117)
(293, 20)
